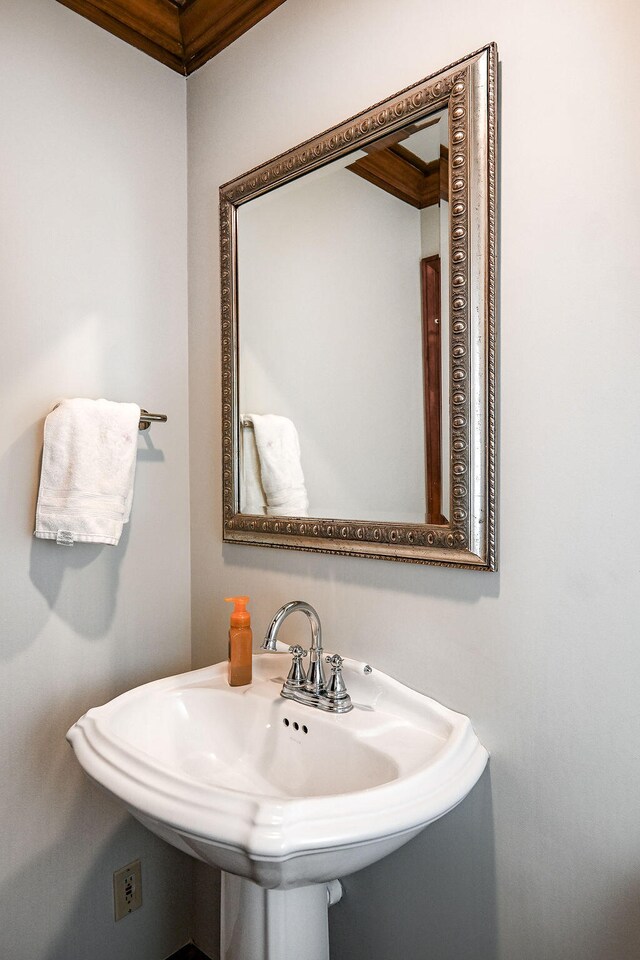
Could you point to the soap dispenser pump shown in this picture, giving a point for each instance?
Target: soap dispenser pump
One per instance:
(240, 643)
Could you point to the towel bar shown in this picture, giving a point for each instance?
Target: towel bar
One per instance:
(146, 418)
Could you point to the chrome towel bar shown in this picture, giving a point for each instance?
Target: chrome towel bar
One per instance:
(147, 418)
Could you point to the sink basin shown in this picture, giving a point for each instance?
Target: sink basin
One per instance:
(272, 791)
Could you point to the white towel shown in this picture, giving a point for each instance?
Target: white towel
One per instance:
(280, 468)
(88, 468)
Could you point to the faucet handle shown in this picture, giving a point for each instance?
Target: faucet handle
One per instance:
(336, 662)
(297, 675)
(336, 699)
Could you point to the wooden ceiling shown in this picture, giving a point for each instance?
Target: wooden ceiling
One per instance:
(183, 34)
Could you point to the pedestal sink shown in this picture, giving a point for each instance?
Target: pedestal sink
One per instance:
(283, 798)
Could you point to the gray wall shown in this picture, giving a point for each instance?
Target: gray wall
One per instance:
(93, 302)
(542, 862)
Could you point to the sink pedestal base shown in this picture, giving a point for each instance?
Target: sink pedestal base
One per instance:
(260, 924)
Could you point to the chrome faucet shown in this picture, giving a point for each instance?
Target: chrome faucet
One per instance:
(310, 688)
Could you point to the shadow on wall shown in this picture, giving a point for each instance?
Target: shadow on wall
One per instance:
(618, 930)
(463, 586)
(71, 894)
(435, 897)
(80, 583)
(57, 903)
(206, 908)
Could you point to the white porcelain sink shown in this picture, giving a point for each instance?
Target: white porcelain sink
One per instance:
(217, 771)
(279, 793)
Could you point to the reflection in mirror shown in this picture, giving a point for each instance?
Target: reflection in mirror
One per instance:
(343, 336)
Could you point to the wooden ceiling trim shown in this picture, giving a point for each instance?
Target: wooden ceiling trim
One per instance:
(183, 34)
(159, 44)
(159, 20)
(208, 27)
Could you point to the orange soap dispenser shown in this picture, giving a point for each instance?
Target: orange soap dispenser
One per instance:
(240, 643)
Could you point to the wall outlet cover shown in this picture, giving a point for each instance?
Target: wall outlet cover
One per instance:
(127, 889)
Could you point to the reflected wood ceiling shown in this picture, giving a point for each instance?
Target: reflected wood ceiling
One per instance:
(183, 34)
(404, 175)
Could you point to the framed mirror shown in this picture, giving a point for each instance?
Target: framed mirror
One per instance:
(359, 329)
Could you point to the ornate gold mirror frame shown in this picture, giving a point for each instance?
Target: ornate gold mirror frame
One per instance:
(468, 539)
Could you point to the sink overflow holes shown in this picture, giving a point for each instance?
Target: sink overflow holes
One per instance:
(296, 726)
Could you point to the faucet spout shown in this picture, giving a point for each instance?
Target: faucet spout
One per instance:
(315, 682)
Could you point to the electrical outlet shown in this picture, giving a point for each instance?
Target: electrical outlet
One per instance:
(127, 889)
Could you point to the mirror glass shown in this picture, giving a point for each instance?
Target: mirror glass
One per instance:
(343, 329)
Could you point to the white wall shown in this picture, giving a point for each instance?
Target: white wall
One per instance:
(93, 302)
(542, 862)
(332, 262)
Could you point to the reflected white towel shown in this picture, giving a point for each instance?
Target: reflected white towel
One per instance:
(252, 496)
(88, 468)
(280, 468)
